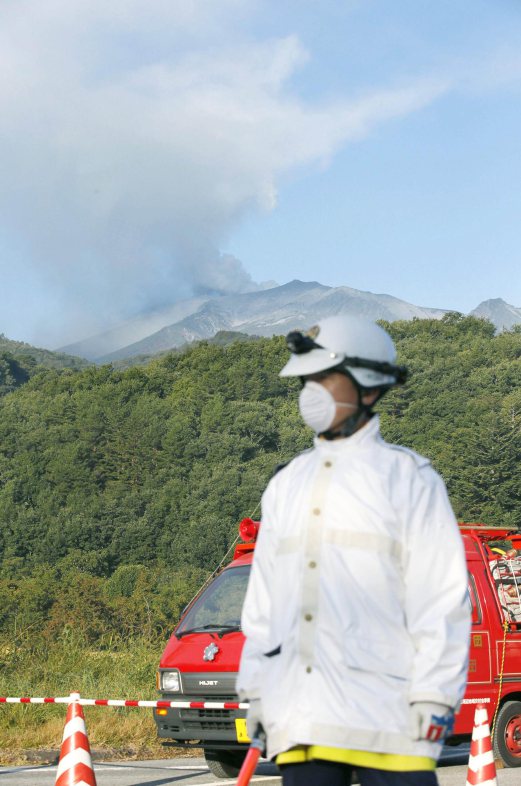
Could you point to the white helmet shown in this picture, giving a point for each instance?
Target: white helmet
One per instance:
(354, 344)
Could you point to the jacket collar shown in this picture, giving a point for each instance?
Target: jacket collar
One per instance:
(365, 436)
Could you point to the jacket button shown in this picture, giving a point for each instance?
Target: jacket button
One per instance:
(308, 669)
(312, 564)
(316, 511)
(308, 617)
(328, 464)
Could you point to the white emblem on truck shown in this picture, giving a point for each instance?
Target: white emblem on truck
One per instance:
(210, 651)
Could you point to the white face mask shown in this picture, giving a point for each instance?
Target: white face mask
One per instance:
(318, 407)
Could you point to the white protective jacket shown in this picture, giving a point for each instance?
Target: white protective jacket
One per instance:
(357, 601)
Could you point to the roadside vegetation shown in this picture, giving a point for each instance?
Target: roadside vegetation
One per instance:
(121, 490)
(112, 669)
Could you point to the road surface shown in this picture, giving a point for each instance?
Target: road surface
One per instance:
(194, 772)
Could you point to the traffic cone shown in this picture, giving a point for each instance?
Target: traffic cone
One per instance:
(482, 769)
(75, 765)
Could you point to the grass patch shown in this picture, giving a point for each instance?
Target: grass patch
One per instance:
(117, 669)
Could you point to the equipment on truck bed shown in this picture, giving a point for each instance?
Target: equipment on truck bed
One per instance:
(506, 572)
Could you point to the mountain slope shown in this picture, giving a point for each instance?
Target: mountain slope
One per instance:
(502, 314)
(273, 312)
(133, 330)
(20, 361)
(263, 312)
(41, 357)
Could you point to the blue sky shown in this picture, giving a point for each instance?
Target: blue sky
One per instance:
(153, 150)
(426, 207)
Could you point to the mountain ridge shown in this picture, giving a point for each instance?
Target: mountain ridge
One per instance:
(502, 314)
(40, 356)
(265, 312)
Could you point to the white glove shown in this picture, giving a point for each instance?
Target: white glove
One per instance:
(253, 717)
(430, 721)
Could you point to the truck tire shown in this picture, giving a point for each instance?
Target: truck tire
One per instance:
(507, 734)
(223, 763)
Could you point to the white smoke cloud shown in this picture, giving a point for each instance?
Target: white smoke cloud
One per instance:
(134, 138)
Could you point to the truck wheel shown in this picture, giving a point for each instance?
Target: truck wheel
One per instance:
(507, 734)
(224, 764)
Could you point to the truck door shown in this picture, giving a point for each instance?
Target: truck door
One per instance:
(480, 678)
(480, 662)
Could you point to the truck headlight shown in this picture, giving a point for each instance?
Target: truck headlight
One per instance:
(170, 681)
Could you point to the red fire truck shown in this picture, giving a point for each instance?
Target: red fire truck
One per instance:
(201, 659)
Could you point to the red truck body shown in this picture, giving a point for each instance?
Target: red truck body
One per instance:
(203, 664)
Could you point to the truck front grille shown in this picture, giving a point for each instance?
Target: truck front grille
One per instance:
(207, 719)
(171, 728)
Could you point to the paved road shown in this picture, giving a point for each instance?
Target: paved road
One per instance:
(194, 772)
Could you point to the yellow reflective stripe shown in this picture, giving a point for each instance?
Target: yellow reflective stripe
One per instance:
(293, 756)
(380, 761)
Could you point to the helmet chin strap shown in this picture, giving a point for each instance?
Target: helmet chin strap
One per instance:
(348, 426)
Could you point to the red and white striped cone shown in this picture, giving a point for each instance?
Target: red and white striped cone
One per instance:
(482, 770)
(75, 765)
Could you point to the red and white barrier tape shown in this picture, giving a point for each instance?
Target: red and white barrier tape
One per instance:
(180, 705)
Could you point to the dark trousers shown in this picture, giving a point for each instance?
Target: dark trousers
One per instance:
(330, 773)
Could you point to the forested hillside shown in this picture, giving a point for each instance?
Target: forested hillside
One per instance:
(20, 361)
(121, 489)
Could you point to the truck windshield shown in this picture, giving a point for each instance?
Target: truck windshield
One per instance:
(219, 607)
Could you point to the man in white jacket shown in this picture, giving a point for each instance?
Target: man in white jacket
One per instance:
(356, 617)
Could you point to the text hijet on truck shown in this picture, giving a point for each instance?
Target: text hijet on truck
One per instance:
(201, 659)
